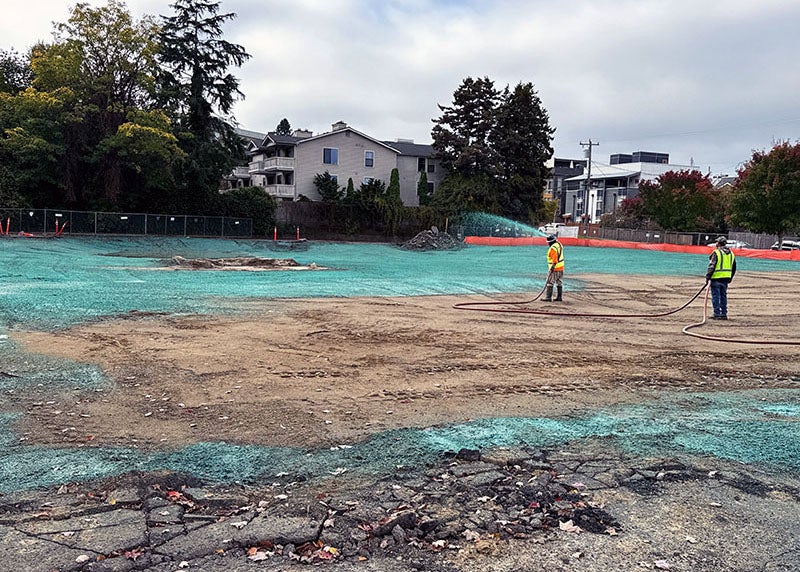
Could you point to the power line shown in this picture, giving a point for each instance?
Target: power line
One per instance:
(709, 130)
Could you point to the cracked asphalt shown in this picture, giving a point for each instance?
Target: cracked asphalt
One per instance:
(586, 507)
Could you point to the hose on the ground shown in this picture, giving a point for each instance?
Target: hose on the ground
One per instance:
(476, 306)
(481, 307)
(686, 331)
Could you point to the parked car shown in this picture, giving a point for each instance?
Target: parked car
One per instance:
(735, 244)
(551, 228)
(787, 244)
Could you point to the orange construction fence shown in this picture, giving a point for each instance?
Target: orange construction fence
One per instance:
(599, 243)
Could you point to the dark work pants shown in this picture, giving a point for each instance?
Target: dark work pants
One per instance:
(719, 297)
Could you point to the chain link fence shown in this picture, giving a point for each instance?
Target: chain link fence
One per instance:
(51, 221)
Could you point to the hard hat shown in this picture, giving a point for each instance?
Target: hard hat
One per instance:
(551, 238)
(722, 240)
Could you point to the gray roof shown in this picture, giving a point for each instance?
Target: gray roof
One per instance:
(284, 139)
(413, 149)
(253, 136)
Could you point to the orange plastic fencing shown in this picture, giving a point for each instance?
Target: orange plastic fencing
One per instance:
(598, 243)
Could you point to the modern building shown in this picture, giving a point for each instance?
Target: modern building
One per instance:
(560, 170)
(285, 165)
(603, 187)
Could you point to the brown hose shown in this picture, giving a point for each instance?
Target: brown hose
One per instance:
(481, 307)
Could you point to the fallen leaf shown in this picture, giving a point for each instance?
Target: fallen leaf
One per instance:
(82, 558)
(238, 524)
(471, 535)
(569, 526)
(258, 556)
(661, 564)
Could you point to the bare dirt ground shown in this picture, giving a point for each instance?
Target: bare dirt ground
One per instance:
(317, 372)
(325, 371)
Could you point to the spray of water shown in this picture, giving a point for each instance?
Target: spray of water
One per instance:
(484, 224)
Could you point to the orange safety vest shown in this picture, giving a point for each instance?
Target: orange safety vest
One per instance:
(555, 257)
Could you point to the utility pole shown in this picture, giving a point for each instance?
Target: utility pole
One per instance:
(588, 154)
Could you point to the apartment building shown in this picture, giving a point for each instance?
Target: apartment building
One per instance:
(285, 165)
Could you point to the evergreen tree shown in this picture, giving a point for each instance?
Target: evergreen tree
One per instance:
(521, 140)
(495, 146)
(391, 205)
(327, 187)
(422, 190)
(461, 135)
(198, 89)
(283, 127)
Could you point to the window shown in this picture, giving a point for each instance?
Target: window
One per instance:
(430, 188)
(421, 164)
(369, 158)
(431, 168)
(335, 179)
(330, 156)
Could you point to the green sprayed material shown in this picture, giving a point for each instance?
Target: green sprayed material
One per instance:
(738, 426)
(50, 284)
(45, 371)
(483, 224)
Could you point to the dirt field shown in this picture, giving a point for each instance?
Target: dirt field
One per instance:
(316, 372)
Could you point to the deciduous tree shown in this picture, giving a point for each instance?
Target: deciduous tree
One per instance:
(767, 195)
(15, 72)
(107, 60)
(683, 201)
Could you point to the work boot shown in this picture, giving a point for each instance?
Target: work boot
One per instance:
(558, 294)
(548, 294)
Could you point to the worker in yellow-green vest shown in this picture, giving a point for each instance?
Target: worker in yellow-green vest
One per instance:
(555, 266)
(720, 272)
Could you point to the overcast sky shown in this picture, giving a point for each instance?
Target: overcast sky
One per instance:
(706, 81)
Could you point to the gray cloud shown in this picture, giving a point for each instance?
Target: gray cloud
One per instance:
(703, 81)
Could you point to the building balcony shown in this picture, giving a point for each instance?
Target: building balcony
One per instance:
(271, 164)
(238, 173)
(280, 191)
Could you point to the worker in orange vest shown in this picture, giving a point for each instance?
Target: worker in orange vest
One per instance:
(555, 264)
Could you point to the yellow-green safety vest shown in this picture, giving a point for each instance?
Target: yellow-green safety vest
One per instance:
(724, 266)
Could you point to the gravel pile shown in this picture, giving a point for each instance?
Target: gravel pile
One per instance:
(432, 240)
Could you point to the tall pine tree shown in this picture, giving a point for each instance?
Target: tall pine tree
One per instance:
(521, 140)
(198, 89)
(284, 128)
(461, 134)
(495, 145)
